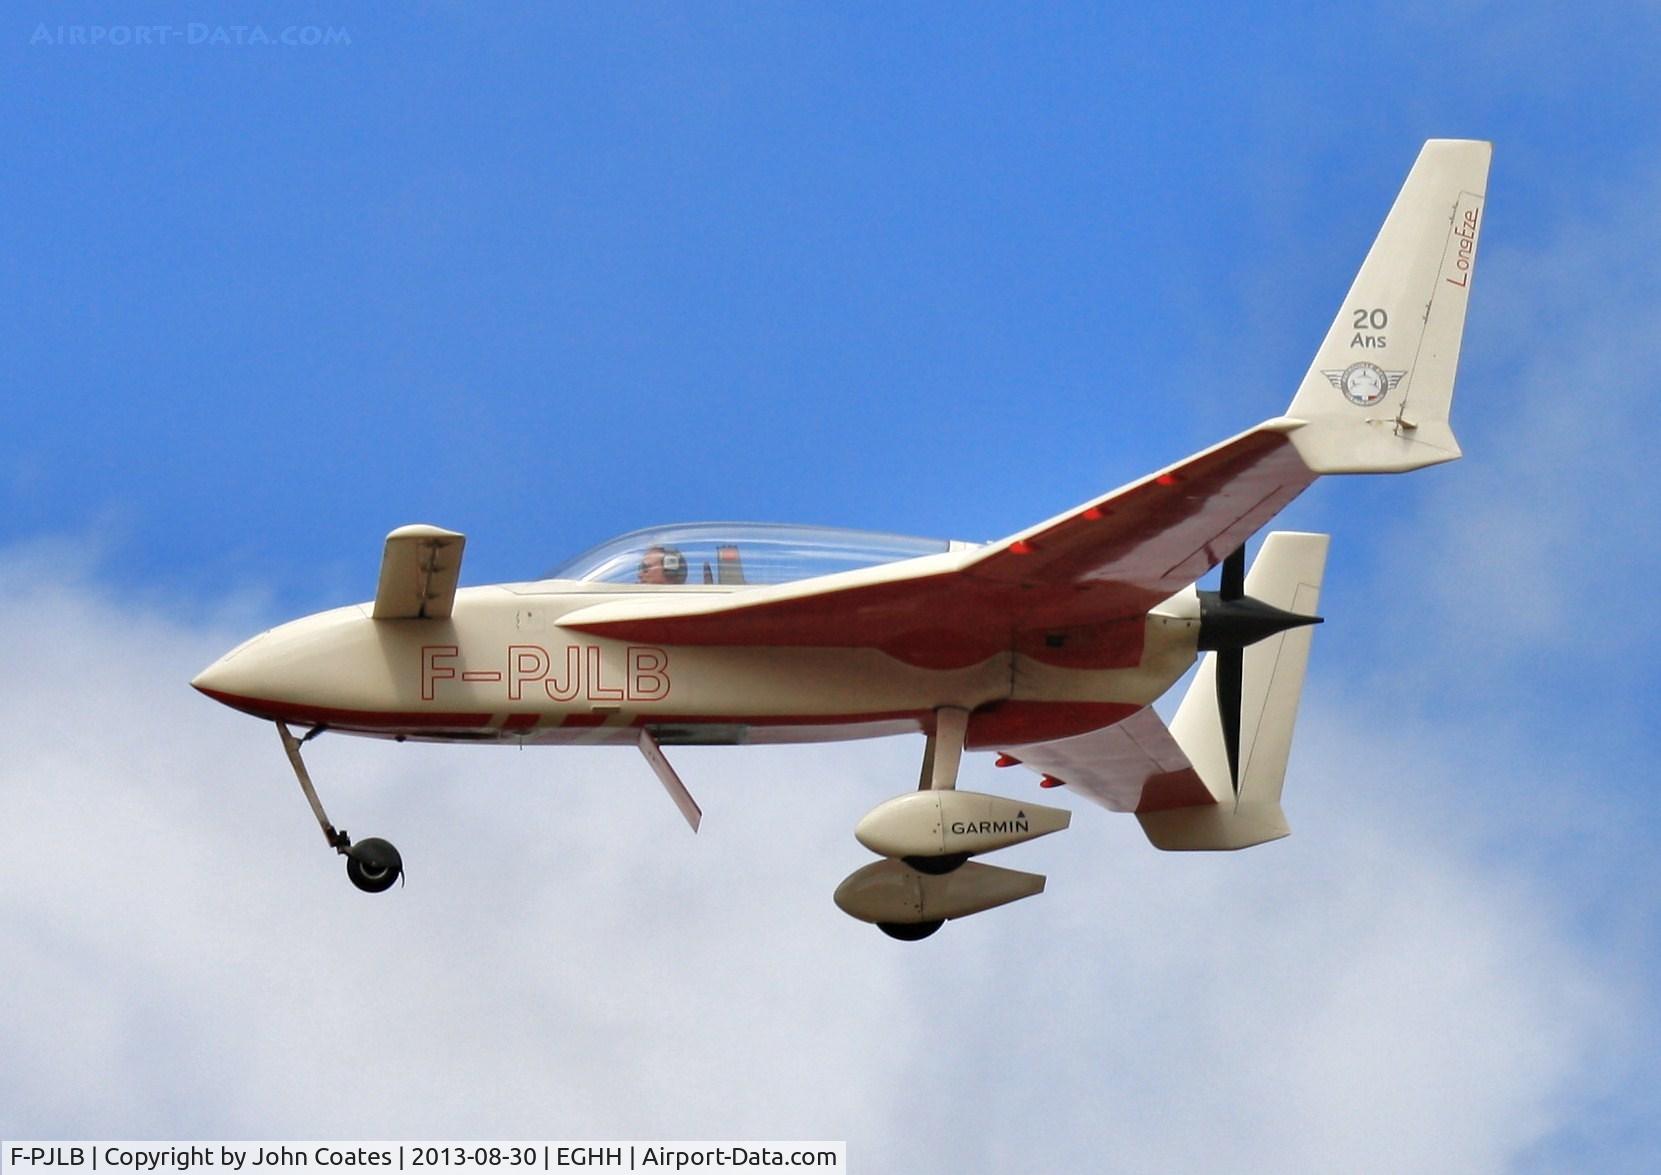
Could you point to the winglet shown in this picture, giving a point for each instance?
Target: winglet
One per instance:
(1376, 397)
(1287, 573)
(420, 569)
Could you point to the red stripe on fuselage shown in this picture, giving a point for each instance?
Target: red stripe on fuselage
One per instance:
(1001, 724)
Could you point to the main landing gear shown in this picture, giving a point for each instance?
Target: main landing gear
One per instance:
(372, 864)
(926, 839)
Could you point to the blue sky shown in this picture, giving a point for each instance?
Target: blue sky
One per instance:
(548, 273)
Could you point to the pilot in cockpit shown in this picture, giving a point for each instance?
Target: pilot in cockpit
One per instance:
(662, 565)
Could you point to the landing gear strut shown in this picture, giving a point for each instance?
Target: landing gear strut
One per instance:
(372, 864)
(926, 840)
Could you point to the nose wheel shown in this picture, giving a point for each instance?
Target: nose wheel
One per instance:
(373, 865)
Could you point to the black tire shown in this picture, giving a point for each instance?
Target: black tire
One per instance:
(373, 865)
(910, 931)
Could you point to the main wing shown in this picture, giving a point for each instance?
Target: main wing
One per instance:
(1110, 559)
(1131, 766)
(1139, 766)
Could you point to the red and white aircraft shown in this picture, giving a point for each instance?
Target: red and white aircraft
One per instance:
(1047, 646)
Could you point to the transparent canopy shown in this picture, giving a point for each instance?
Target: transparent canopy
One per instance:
(740, 553)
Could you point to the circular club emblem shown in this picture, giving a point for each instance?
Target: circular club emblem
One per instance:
(1364, 384)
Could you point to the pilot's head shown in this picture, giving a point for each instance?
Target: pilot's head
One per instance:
(662, 565)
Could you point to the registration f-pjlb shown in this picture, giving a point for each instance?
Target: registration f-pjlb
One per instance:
(1047, 646)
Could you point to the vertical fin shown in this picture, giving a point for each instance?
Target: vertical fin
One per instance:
(1376, 398)
(1286, 573)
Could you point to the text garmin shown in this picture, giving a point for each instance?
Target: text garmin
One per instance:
(738, 633)
(988, 827)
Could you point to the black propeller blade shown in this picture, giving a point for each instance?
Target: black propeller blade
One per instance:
(1234, 575)
(1229, 621)
(1231, 667)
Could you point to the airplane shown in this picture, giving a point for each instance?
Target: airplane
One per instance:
(1048, 646)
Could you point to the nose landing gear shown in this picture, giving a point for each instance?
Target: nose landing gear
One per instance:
(372, 864)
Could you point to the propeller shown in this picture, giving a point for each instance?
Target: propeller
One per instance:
(1229, 621)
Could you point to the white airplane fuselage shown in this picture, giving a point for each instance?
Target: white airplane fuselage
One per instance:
(502, 668)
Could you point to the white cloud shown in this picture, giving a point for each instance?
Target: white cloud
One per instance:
(185, 958)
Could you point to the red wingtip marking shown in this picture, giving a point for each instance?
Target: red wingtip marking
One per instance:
(1050, 781)
(1093, 513)
(1006, 761)
(1020, 547)
(1167, 479)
